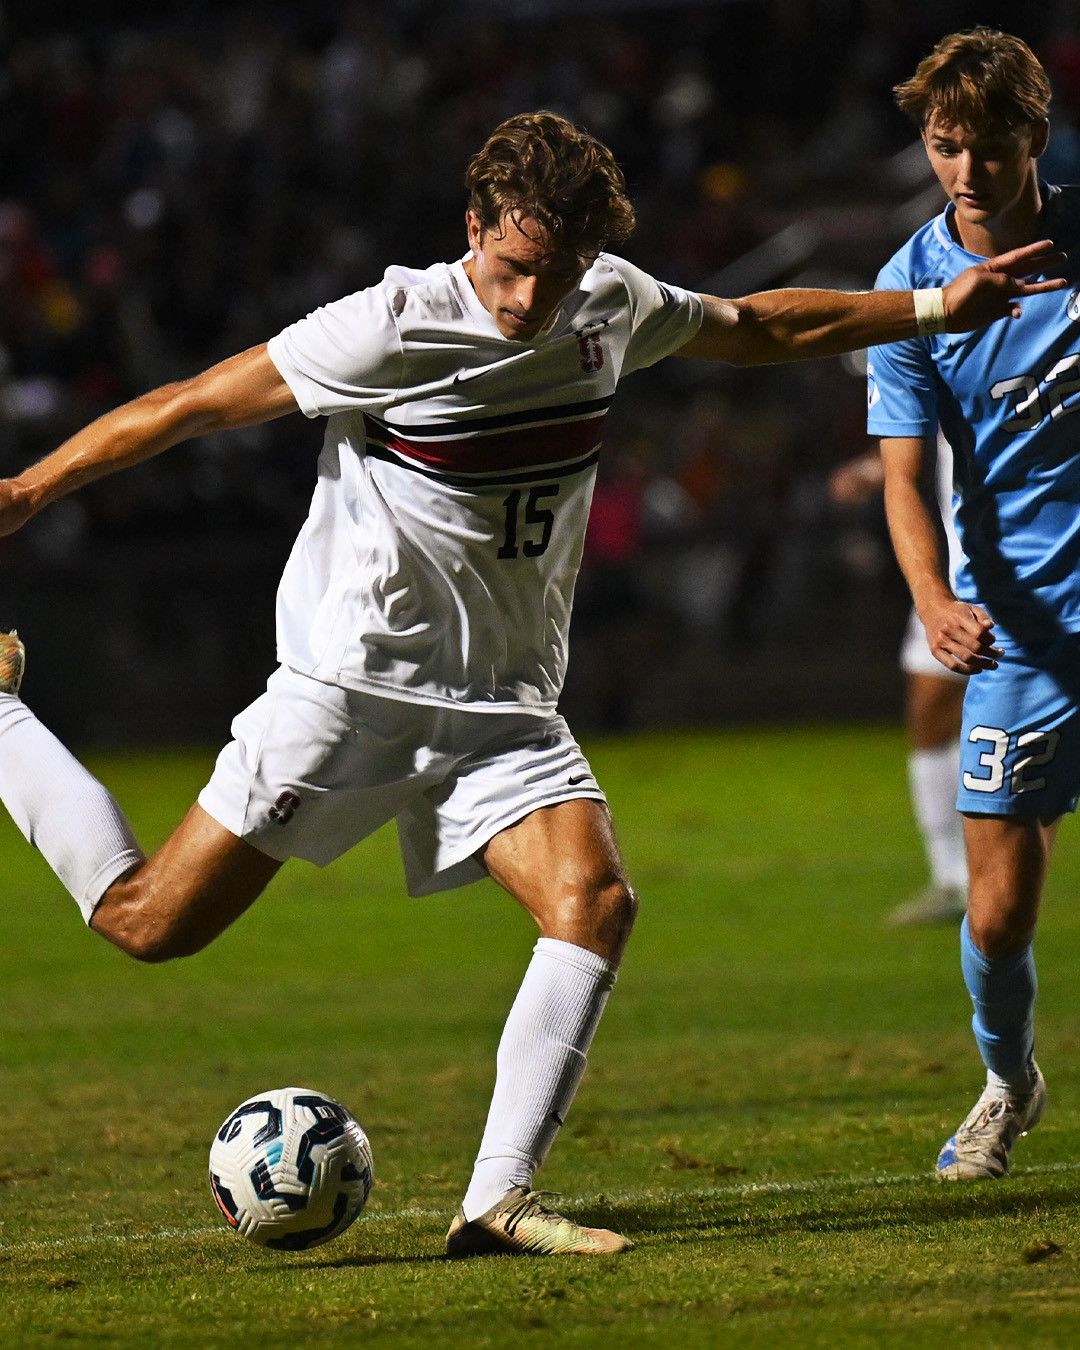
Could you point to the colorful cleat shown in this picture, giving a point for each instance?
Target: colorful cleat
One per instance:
(980, 1148)
(935, 904)
(519, 1225)
(12, 662)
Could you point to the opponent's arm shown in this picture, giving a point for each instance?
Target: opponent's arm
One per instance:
(793, 324)
(241, 392)
(960, 635)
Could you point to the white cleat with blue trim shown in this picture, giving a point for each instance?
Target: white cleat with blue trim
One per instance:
(980, 1148)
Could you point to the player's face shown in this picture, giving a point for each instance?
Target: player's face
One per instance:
(987, 174)
(517, 277)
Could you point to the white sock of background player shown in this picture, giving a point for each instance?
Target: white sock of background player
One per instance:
(933, 776)
(540, 1063)
(68, 816)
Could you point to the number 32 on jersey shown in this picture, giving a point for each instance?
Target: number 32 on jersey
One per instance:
(1041, 744)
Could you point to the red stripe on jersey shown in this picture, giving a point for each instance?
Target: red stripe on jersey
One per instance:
(511, 449)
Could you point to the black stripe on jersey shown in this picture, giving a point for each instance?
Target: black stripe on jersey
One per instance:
(525, 417)
(478, 481)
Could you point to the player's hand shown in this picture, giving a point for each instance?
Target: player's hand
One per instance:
(961, 636)
(991, 290)
(15, 506)
(856, 480)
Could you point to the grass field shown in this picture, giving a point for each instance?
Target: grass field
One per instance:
(774, 1075)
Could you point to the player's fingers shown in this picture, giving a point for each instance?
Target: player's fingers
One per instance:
(1029, 257)
(964, 663)
(1039, 287)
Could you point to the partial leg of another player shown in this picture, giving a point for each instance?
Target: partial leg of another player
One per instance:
(932, 714)
(154, 909)
(1008, 858)
(562, 864)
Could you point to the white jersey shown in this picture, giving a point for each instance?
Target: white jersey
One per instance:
(438, 560)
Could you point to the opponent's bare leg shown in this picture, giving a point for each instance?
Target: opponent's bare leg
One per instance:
(561, 863)
(1008, 858)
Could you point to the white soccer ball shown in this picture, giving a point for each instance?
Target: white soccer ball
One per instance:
(291, 1168)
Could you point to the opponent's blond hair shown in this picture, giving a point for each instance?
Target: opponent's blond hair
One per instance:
(540, 166)
(981, 79)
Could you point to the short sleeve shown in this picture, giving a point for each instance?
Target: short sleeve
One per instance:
(901, 387)
(344, 355)
(663, 317)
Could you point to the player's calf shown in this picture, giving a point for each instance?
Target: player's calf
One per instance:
(200, 880)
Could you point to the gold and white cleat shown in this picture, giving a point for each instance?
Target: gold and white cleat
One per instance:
(12, 662)
(519, 1225)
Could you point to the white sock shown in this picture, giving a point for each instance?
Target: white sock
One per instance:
(540, 1063)
(66, 814)
(933, 776)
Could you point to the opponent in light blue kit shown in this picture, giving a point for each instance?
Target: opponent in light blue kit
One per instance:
(1005, 400)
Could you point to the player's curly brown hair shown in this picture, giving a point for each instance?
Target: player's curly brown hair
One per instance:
(981, 79)
(540, 166)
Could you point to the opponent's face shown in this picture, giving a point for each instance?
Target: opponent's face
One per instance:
(985, 173)
(518, 279)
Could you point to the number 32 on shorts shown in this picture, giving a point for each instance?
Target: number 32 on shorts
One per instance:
(1042, 745)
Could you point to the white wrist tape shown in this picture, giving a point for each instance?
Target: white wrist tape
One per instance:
(929, 310)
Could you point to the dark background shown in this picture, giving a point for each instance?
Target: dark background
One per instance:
(175, 187)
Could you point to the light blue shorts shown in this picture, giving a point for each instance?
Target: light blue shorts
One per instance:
(1020, 742)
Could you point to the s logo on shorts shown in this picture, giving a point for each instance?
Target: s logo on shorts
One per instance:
(286, 806)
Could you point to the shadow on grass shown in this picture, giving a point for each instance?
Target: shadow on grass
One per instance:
(370, 1259)
(686, 1218)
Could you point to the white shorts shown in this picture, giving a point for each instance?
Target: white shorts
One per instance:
(916, 658)
(314, 768)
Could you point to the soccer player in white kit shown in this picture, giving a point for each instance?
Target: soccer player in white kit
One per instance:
(423, 614)
(933, 699)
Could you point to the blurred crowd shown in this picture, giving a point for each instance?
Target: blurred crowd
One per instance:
(177, 186)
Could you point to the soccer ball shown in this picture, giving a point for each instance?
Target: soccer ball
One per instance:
(290, 1168)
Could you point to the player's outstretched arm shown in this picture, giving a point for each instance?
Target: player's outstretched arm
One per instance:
(960, 635)
(793, 324)
(240, 392)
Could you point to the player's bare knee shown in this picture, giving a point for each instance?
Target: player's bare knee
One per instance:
(607, 910)
(1000, 933)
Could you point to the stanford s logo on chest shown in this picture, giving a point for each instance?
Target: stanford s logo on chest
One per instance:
(592, 353)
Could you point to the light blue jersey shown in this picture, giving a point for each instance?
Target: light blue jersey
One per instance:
(1004, 399)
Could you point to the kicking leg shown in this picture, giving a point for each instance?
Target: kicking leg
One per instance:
(201, 879)
(170, 905)
(1008, 858)
(562, 864)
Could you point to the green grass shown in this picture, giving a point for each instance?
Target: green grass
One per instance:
(766, 1095)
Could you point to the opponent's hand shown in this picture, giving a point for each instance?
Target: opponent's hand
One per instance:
(990, 290)
(15, 506)
(856, 480)
(961, 636)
